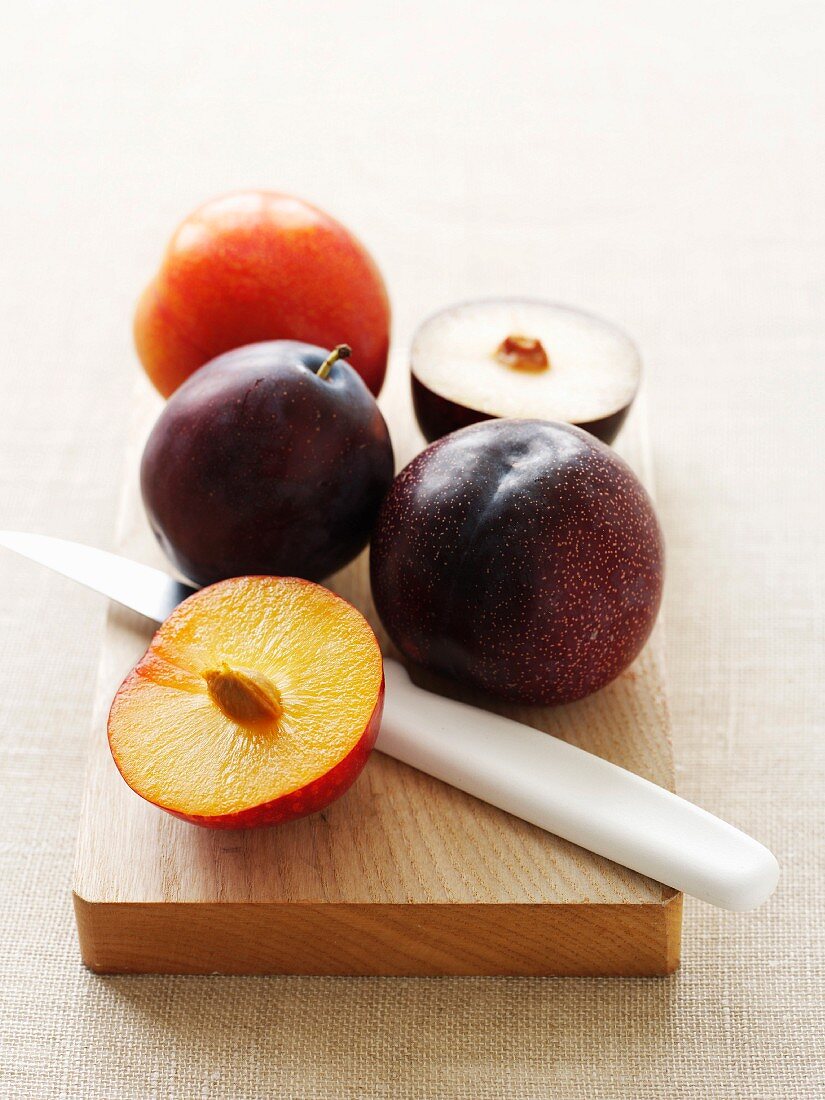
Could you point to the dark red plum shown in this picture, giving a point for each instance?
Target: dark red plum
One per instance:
(520, 556)
(267, 460)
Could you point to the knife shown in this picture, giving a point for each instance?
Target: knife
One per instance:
(538, 777)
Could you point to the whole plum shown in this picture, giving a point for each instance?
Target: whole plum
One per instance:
(521, 556)
(270, 459)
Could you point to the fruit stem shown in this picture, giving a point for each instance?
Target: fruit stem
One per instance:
(524, 353)
(244, 696)
(342, 351)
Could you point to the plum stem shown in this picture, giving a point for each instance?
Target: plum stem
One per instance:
(341, 351)
(246, 697)
(524, 353)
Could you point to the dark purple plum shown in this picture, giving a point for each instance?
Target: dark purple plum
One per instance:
(520, 556)
(267, 460)
(520, 357)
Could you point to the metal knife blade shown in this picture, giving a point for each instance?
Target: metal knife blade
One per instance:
(141, 588)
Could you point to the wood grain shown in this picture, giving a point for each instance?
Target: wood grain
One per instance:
(403, 874)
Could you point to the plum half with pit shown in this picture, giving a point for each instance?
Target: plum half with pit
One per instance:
(518, 357)
(519, 556)
(271, 459)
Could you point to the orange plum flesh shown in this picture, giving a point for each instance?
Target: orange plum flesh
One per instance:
(258, 701)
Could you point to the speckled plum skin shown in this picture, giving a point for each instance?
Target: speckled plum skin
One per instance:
(520, 556)
(257, 466)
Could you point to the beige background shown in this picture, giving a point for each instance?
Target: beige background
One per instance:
(660, 163)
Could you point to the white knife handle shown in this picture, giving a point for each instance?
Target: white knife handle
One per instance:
(575, 794)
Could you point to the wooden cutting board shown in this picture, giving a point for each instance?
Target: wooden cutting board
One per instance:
(403, 875)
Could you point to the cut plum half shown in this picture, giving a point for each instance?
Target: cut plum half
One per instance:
(258, 701)
(520, 358)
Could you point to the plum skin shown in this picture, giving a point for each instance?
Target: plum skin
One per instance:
(437, 416)
(258, 466)
(522, 557)
(258, 265)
